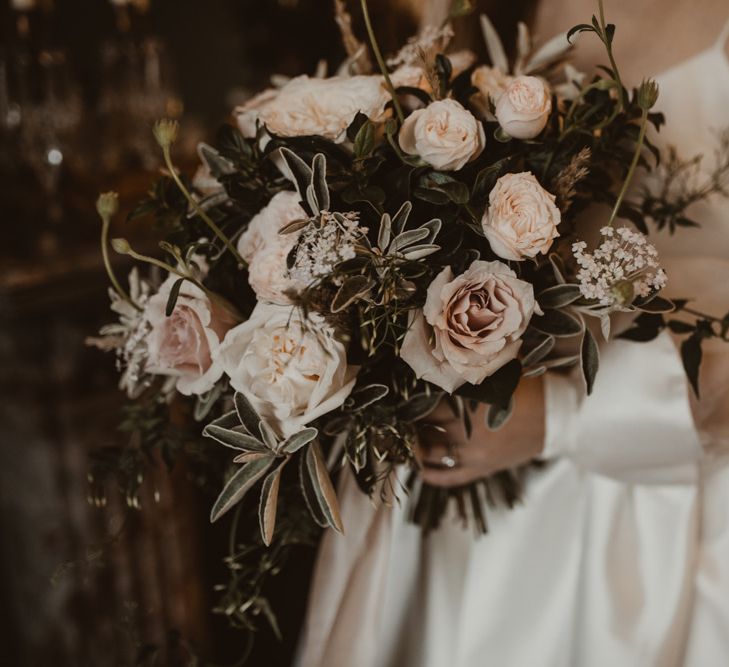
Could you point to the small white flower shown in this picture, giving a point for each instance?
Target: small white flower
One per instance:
(622, 267)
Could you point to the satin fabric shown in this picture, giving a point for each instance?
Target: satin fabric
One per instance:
(619, 554)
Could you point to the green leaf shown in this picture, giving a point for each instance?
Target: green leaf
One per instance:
(433, 226)
(406, 238)
(296, 441)
(444, 70)
(239, 484)
(172, 298)
(589, 359)
(351, 289)
(446, 186)
(557, 267)
(228, 421)
(234, 439)
(419, 406)
(269, 503)
(539, 352)
(322, 486)
(246, 413)
(582, 27)
(415, 252)
(319, 182)
(385, 232)
(307, 490)
(400, 219)
(497, 416)
(559, 296)
(679, 327)
(363, 397)
(655, 304)
(691, 355)
(301, 172)
(557, 323)
(267, 435)
(487, 177)
(497, 389)
(364, 142)
(645, 328)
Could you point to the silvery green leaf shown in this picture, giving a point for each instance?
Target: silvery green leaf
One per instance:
(539, 352)
(497, 416)
(172, 298)
(307, 490)
(366, 396)
(557, 323)
(239, 484)
(217, 164)
(407, 238)
(589, 358)
(294, 226)
(319, 181)
(322, 486)
(233, 439)
(267, 434)
(300, 171)
(433, 226)
(557, 267)
(419, 406)
(559, 295)
(493, 45)
(205, 402)
(229, 420)
(420, 251)
(552, 50)
(296, 441)
(384, 233)
(400, 218)
(534, 372)
(311, 198)
(562, 361)
(247, 457)
(246, 413)
(605, 323)
(351, 289)
(269, 503)
(364, 142)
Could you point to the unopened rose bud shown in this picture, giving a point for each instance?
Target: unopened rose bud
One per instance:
(121, 246)
(647, 94)
(165, 132)
(107, 205)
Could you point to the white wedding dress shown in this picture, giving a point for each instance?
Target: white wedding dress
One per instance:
(619, 554)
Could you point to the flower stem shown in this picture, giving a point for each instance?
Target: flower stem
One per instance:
(191, 200)
(631, 169)
(105, 221)
(381, 62)
(608, 46)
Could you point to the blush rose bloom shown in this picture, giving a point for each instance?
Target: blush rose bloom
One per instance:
(291, 370)
(521, 220)
(444, 134)
(324, 107)
(265, 250)
(470, 325)
(247, 115)
(524, 107)
(184, 344)
(491, 83)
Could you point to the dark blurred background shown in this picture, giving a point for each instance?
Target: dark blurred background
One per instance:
(81, 83)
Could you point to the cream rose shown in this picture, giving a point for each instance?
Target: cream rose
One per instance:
(247, 115)
(184, 344)
(491, 83)
(444, 134)
(523, 108)
(470, 325)
(266, 250)
(323, 107)
(291, 370)
(521, 220)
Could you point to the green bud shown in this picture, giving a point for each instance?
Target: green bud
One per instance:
(107, 205)
(624, 292)
(165, 132)
(121, 246)
(647, 94)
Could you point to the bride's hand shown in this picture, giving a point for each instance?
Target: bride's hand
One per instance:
(444, 440)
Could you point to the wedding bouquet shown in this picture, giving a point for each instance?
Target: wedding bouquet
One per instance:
(355, 249)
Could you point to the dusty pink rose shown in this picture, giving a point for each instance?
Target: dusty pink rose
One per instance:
(470, 326)
(184, 344)
(266, 250)
(521, 220)
(444, 134)
(523, 108)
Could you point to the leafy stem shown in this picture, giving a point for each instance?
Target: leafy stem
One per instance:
(196, 207)
(105, 222)
(381, 62)
(633, 164)
(607, 40)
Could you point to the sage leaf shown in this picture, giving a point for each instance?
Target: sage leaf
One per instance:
(539, 352)
(400, 219)
(385, 232)
(319, 182)
(307, 490)
(351, 289)
(269, 503)
(557, 323)
(267, 435)
(559, 296)
(404, 239)
(366, 396)
(234, 439)
(239, 484)
(246, 413)
(323, 488)
(419, 406)
(296, 441)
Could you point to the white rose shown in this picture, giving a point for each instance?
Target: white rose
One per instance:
(265, 250)
(521, 220)
(292, 371)
(491, 83)
(247, 115)
(184, 344)
(323, 107)
(470, 325)
(524, 107)
(444, 134)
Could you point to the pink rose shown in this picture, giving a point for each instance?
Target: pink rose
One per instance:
(184, 344)
(470, 325)
(523, 108)
(266, 250)
(521, 220)
(491, 83)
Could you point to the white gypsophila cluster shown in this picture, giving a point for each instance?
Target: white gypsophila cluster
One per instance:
(421, 43)
(128, 336)
(623, 266)
(324, 244)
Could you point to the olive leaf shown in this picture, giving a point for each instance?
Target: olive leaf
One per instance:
(246, 413)
(296, 441)
(269, 503)
(321, 485)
